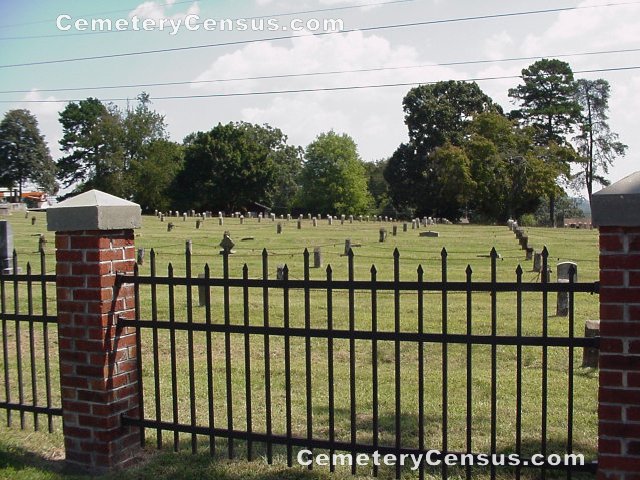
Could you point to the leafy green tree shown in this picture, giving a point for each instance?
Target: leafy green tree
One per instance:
(379, 188)
(234, 165)
(596, 143)
(154, 171)
(333, 178)
(102, 144)
(547, 100)
(548, 103)
(435, 114)
(24, 155)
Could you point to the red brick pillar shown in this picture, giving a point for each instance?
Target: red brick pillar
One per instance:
(98, 360)
(616, 210)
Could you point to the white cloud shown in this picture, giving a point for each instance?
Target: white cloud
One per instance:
(371, 116)
(498, 44)
(157, 11)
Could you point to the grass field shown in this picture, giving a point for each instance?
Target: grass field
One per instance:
(466, 246)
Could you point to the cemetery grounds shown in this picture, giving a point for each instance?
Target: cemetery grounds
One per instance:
(38, 455)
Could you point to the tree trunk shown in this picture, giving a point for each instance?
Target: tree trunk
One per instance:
(552, 210)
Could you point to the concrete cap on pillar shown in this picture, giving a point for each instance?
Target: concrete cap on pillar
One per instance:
(93, 210)
(617, 205)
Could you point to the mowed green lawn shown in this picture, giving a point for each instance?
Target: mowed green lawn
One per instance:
(466, 246)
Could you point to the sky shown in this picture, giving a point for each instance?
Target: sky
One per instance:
(217, 75)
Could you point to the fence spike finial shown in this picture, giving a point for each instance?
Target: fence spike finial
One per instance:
(469, 270)
(373, 270)
(519, 270)
(443, 253)
(396, 253)
(420, 270)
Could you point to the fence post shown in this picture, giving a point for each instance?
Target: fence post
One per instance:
(98, 361)
(616, 211)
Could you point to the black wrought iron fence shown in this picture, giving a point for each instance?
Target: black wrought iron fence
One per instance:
(281, 365)
(29, 346)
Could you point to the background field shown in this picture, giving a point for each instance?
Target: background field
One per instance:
(465, 245)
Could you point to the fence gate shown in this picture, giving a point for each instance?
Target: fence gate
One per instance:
(308, 369)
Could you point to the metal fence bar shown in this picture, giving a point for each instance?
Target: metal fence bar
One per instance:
(518, 369)
(352, 354)
(227, 348)
(469, 273)
(494, 360)
(190, 352)
(374, 363)
(307, 348)
(545, 358)
(397, 373)
(247, 364)
(209, 340)
(156, 362)
(287, 366)
(16, 310)
(172, 346)
(32, 349)
(136, 287)
(267, 355)
(45, 338)
(421, 443)
(445, 356)
(330, 373)
(5, 346)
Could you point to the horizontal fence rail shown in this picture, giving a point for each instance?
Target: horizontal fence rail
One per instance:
(335, 366)
(29, 362)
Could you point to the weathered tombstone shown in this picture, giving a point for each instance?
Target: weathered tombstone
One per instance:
(347, 246)
(280, 272)
(273, 217)
(359, 218)
(299, 224)
(198, 224)
(202, 292)
(140, 256)
(537, 262)
(308, 216)
(220, 221)
(590, 355)
(524, 242)
(42, 242)
(227, 244)
(404, 227)
(169, 226)
(383, 235)
(279, 228)
(315, 222)
(563, 269)
(430, 234)
(317, 257)
(288, 217)
(162, 217)
(33, 220)
(6, 247)
(395, 230)
(330, 220)
(529, 253)
(241, 219)
(413, 224)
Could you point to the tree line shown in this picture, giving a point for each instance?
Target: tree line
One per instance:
(464, 156)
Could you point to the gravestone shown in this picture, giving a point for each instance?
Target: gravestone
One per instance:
(202, 292)
(404, 227)
(280, 272)
(395, 230)
(227, 245)
(299, 224)
(169, 226)
(347, 246)
(537, 262)
(383, 235)
(315, 222)
(413, 224)
(184, 217)
(33, 220)
(317, 257)
(529, 253)
(279, 228)
(430, 234)
(330, 220)
(220, 221)
(198, 224)
(563, 269)
(6, 247)
(140, 256)
(241, 219)
(162, 217)
(590, 355)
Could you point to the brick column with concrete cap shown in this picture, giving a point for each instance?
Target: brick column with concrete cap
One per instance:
(616, 211)
(98, 361)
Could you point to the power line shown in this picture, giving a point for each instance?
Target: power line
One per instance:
(284, 14)
(320, 34)
(330, 72)
(320, 89)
